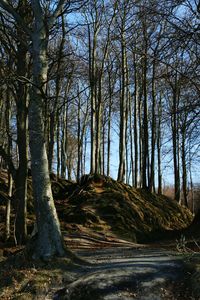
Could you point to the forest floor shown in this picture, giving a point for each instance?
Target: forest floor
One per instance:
(133, 245)
(111, 270)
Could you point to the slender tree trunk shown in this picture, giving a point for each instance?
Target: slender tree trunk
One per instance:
(131, 141)
(55, 114)
(122, 136)
(9, 153)
(153, 133)
(8, 206)
(51, 140)
(145, 148)
(140, 140)
(79, 140)
(98, 127)
(84, 155)
(92, 77)
(127, 157)
(175, 139)
(22, 173)
(63, 143)
(103, 144)
(109, 126)
(83, 141)
(58, 145)
(65, 135)
(80, 137)
(67, 145)
(135, 124)
(191, 187)
(127, 121)
(47, 127)
(184, 169)
(159, 146)
(22, 136)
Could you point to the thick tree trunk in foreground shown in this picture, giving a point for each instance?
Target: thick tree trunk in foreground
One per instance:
(49, 240)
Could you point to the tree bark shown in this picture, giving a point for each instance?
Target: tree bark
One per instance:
(145, 147)
(153, 133)
(22, 143)
(184, 168)
(159, 146)
(122, 135)
(92, 78)
(175, 140)
(135, 123)
(63, 144)
(49, 240)
(55, 114)
(8, 206)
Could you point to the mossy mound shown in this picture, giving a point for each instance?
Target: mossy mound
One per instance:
(103, 204)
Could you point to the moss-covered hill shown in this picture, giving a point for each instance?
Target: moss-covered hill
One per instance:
(104, 205)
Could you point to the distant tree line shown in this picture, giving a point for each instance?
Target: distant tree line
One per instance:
(72, 73)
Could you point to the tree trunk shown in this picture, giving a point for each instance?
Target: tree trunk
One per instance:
(135, 123)
(22, 143)
(145, 148)
(175, 140)
(79, 141)
(127, 122)
(9, 154)
(159, 146)
(153, 133)
(83, 141)
(92, 78)
(51, 139)
(184, 169)
(109, 121)
(122, 135)
(140, 139)
(49, 240)
(98, 126)
(55, 114)
(63, 144)
(191, 187)
(131, 141)
(108, 135)
(58, 144)
(8, 206)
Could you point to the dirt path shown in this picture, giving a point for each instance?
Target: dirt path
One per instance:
(129, 273)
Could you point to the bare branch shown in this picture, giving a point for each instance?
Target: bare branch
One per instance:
(4, 4)
(57, 12)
